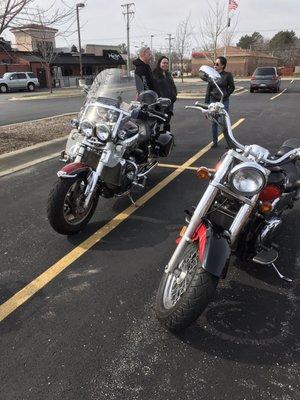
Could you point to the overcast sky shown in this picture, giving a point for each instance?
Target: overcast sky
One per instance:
(103, 23)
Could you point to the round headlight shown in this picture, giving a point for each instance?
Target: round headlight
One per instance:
(102, 132)
(87, 128)
(247, 178)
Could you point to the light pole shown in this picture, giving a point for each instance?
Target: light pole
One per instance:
(79, 5)
(151, 46)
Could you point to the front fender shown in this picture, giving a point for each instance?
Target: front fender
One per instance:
(214, 250)
(73, 169)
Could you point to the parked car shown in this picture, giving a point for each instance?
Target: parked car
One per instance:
(18, 81)
(176, 74)
(265, 78)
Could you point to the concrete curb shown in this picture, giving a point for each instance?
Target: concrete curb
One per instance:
(46, 97)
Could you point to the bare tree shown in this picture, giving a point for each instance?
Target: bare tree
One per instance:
(214, 29)
(183, 41)
(42, 42)
(12, 12)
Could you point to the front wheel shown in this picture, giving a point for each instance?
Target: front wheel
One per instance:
(66, 212)
(184, 293)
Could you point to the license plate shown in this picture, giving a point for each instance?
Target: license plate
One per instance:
(263, 85)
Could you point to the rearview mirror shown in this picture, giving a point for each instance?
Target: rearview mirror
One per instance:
(206, 73)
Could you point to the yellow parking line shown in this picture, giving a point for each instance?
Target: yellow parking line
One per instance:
(277, 95)
(28, 164)
(177, 167)
(242, 92)
(42, 280)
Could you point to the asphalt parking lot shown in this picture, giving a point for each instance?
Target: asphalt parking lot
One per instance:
(90, 331)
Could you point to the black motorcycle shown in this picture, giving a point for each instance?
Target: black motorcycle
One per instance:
(239, 213)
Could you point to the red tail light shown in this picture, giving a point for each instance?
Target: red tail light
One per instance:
(253, 78)
(270, 193)
(274, 77)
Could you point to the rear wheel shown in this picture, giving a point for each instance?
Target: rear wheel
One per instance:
(251, 90)
(66, 212)
(184, 293)
(3, 88)
(31, 87)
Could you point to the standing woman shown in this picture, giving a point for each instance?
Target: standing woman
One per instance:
(226, 84)
(165, 86)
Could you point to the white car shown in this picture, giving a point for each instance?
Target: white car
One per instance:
(18, 81)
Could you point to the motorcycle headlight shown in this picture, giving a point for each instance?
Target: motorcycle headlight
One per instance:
(87, 128)
(247, 178)
(102, 132)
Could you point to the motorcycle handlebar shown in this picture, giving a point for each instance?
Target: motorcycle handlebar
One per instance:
(144, 115)
(234, 143)
(202, 105)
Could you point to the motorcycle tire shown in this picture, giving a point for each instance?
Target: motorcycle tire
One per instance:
(199, 291)
(56, 208)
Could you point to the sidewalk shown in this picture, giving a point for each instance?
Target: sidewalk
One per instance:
(45, 94)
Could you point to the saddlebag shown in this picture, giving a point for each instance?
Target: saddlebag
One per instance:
(164, 144)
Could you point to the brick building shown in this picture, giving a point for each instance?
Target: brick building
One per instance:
(67, 63)
(240, 62)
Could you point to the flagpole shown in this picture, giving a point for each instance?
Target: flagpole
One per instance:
(227, 26)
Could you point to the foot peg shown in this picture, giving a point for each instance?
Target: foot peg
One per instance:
(266, 257)
(285, 278)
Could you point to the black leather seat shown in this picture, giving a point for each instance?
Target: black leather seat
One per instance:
(288, 145)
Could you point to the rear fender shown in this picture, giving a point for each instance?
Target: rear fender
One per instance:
(73, 169)
(214, 250)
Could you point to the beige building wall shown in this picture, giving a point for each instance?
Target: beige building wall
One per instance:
(97, 49)
(26, 38)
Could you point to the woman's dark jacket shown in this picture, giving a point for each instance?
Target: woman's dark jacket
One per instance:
(144, 77)
(225, 83)
(165, 86)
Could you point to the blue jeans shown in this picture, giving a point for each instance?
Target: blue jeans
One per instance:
(215, 125)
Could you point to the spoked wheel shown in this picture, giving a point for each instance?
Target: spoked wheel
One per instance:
(66, 211)
(184, 293)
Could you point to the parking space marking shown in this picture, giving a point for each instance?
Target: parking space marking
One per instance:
(279, 94)
(241, 92)
(28, 164)
(46, 277)
(177, 167)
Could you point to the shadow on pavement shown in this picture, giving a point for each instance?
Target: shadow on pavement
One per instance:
(248, 325)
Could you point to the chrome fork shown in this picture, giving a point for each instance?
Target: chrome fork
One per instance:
(202, 208)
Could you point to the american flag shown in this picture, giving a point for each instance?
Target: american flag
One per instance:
(232, 5)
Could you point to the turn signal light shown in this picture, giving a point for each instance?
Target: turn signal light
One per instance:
(205, 173)
(265, 207)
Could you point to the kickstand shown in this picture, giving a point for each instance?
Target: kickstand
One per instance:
(131, 199)
(285, 278)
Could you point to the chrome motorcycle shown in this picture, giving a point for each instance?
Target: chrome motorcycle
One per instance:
(239, 213)
(114, 146)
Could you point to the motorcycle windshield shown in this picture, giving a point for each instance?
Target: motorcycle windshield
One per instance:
(111, 87)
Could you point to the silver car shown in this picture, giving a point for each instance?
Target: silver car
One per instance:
(18, 81)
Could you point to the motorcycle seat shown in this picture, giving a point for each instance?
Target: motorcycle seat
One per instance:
(287, 146)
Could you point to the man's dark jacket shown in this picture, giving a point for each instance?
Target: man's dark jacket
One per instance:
(144, 77)
(225, 83)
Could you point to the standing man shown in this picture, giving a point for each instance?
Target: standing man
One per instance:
(143, 70)
(226, 84)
